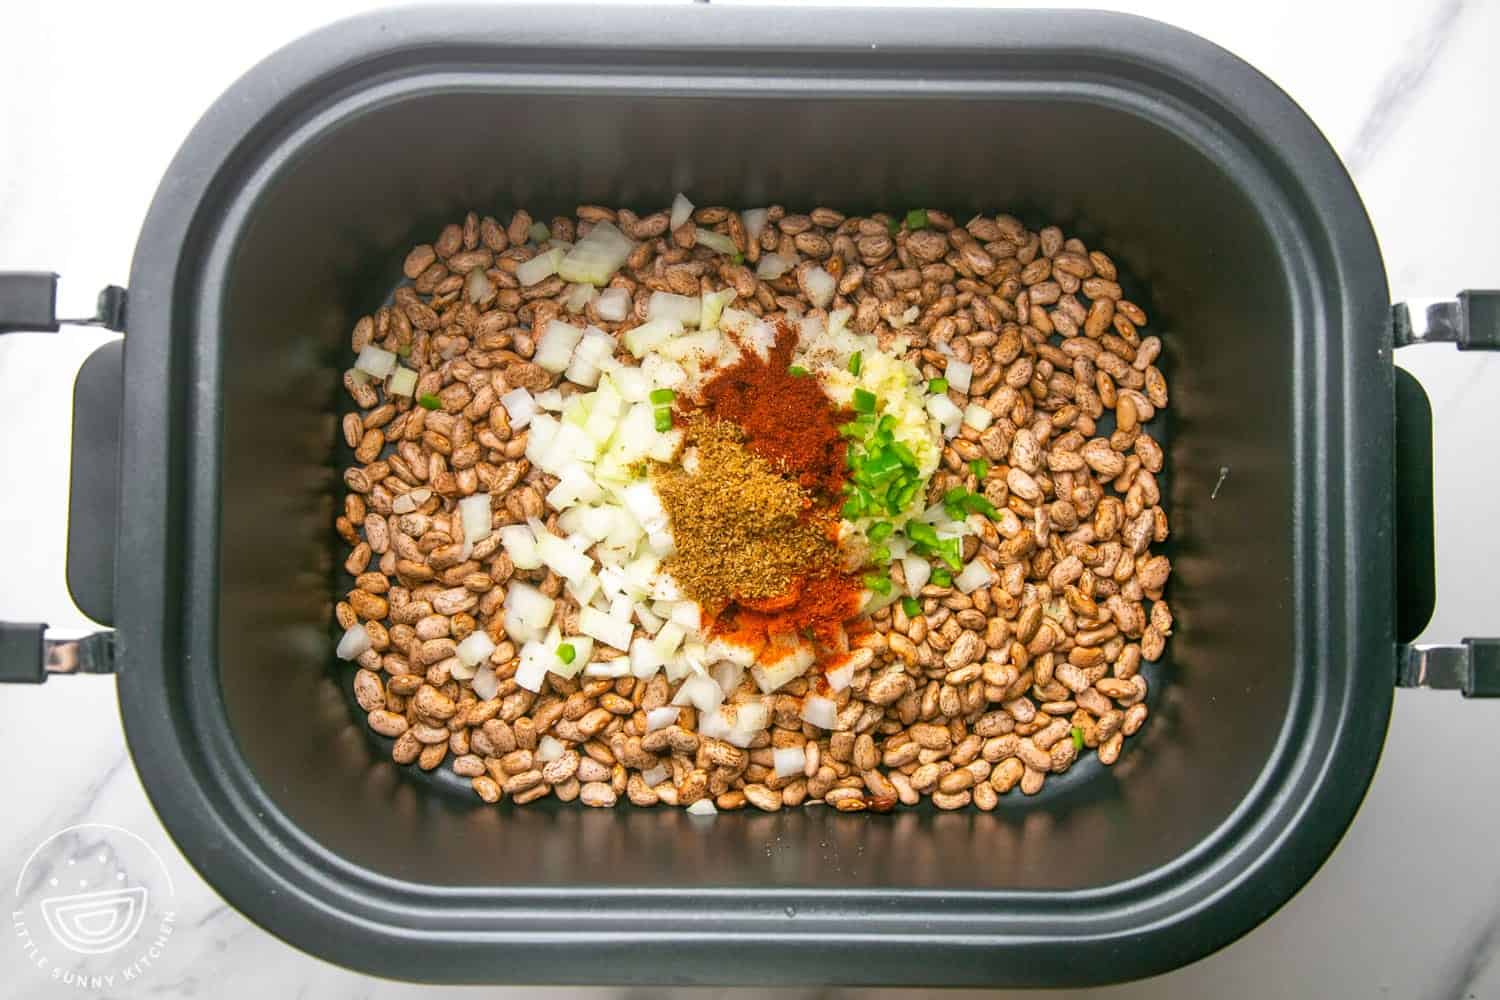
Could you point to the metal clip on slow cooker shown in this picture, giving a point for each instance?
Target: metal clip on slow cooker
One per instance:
(28, 304)
(1472, 323)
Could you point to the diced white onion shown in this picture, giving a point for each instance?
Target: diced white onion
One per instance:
(682, 209)
(485, 684)
(527, 611)
(477, 286)
(652, 334)
(597, 256)
(562, 558)
(788, 666)
(521, 406)
(959, 374)
(607, 668)
(689, 615)
(475, 649)
(974, 576)
(755, 222)
(475, 512)
(555, 347)
(772, 266)
(977, 417)
(700, 692)
(578, 296)
(717, 242)
(713, 308)
(941, 409)
(583, 650)
(821, 287)
(403, 382)
(613, 304)
(918, 571)
(789, 761)
(520, 545)
(819, 711)
(727, 675)
(353, 642)
(656, 775)
(685, 309)
(539, 232)
(540, 267)
(703, 807)
(375, 362)
(751, 716)
(549, 748)
(607, 629)
(661, 718)
(840, 677)
(533, 667)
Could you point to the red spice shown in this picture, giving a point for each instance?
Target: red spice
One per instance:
(787, 419)
(820, 606)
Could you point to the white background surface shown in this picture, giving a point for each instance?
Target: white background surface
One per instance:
(94, 100)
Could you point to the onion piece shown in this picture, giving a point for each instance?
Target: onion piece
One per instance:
(554, 349)
(819, 711)
(700, 692)
(656, 775)
(703, 807)
(375, 362)
(918, 571)
(652, 334)
(539, 232)
(613, 304)
(727, 675)
(353, 643)
(755, 222)
(977, 417)
(583, 651)
(773, 266)
(562, 558)
(682, 209)
(578, 296)
(685, 309)
(941, 409)
(477, 286)
(597, 256)
(661, 718)
(403, 382)
(607, 668)
(520, 406)
(713, 308)
(960, 375)
(840, 677)
(607, 629)
(475, 512)
(821, 287)
(717, 242)
(789, 761)
(533, 667)
(540, 267)
(549, 748)
(784, 668)
(520, 545)
(975, 575)
(476, 648)
(527, 611)
(485, 684)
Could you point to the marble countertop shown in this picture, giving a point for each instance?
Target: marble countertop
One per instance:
(97, 97)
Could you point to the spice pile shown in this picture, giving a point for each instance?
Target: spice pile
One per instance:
(741, 529)
(717, 508)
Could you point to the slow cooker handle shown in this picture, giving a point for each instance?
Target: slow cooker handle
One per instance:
(28, 303)
(1471, 322)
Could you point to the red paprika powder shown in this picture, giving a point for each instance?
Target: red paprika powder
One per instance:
(786, 417)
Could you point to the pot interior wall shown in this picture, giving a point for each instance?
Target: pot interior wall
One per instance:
(326, 239)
